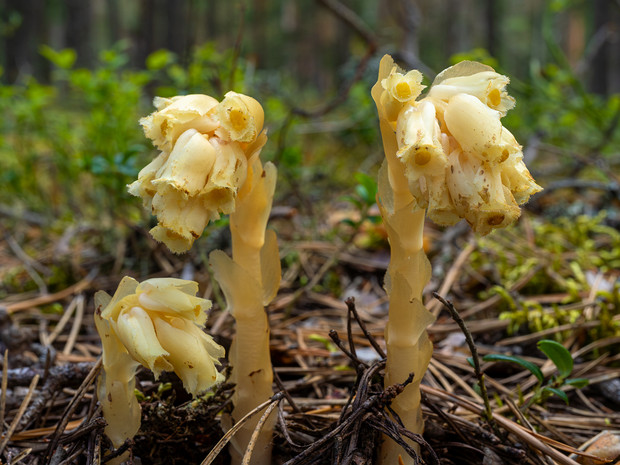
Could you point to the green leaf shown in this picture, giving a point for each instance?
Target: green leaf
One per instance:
(558, 392)
(159, 59)
(577, 382)
(533, 368)
(366, 188)
(559, 355)
(64, 58)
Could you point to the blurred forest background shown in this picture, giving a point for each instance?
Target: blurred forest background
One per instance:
(77, 75)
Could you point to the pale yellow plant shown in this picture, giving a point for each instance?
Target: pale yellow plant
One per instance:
(157, 324)
(250, 280)
(209, 165)
(447, 154)
(205, 148)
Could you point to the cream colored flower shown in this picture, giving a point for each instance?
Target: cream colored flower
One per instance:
(418, 136)
(478, 194)
(241, 118)
(459, 160)
(478, 129)
(403, 87)
(157, 324)
(475, 79)
(396, 90)
(143, 316)
(176, 115)
(206, 147)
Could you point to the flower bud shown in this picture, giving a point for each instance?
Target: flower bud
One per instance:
(420, 149)
(473, 79)
(478, 129)
(241, 118)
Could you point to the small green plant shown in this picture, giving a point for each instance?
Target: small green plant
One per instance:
(363, 200)
(365, 225)
(554, 385)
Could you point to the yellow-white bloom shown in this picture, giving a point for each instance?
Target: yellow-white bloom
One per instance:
(398, 89)
(157, 324)
(403, 87)
(176, 115)
(473, 79)
(459, 160)
(241, 118)
(478, 193)
(206, 147)
(418, 136)
(478, 129)
(140, 316)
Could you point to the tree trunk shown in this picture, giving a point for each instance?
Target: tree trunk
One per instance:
(599, 82)
(77, 30)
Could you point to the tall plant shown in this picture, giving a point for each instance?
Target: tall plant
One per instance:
(448, 156)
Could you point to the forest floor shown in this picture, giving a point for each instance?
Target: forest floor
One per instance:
(327, 348)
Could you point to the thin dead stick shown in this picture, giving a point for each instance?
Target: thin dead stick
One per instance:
(21, 456)
(373, 342)
(47, 299)
(64, 420)
(231, 432)
(457, 379)
(30, 265)
(77, 323)
(248, 452)
(64, 319)
(20, 413)
(488, 413)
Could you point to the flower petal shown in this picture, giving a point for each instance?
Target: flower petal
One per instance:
(478, 129)
(135, 330)
(192, 353)
(189, 164)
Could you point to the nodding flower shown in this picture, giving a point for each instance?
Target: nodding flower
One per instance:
(206, 147)
(157, 324)
(460, 161)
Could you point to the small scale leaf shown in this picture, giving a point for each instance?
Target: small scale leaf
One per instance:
(533, 368)
(559, 355)
(558, 392)
(577, 382)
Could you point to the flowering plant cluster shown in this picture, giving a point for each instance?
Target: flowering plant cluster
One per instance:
(206, 147)
(460, 161)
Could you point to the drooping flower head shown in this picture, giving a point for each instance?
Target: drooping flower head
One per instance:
(205, 146)
(157, 324)
(459, 160)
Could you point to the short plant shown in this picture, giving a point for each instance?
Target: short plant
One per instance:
(563, 361)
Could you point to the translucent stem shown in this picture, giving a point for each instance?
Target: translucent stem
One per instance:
(408, 347)
(249, 281)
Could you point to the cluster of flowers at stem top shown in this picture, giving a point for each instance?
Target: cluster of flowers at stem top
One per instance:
(206, 147)
(157, 324)
(460, 161)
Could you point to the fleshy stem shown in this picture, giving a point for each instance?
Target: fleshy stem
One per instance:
(409, 349)
(249, 281)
